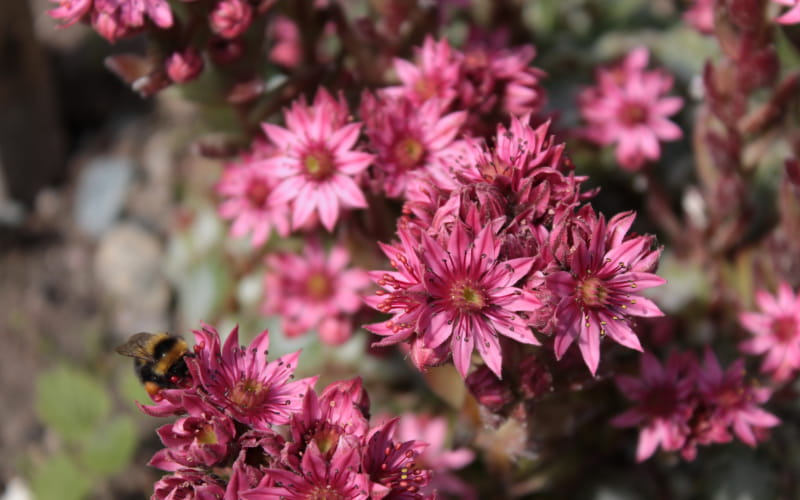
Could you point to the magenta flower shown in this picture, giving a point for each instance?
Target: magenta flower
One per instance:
(314, 290)
(317, 163)
(600, 290)
(392, 466)
(733, 401)
(114, 19)
(665, 397)
(246, 189)
(242, 383)
(70, 11)
(436, 456)
(436, 74)
(412, 143)
(231, 18)
(184, 66)
(776, 332)
(791, 16)
(318, 478)
(188, 484)
(201, 439)
(466, 296)
(628, 108)
(701, 16)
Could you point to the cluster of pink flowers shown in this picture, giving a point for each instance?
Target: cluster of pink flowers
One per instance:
(116, 19)
(628, 107)
(188, 35)
(512, 248)
(227, 442)
(683, 405)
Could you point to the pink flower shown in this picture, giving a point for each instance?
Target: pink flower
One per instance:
(776, 332)
(314, 290)
(393, 467)
(286, 49)
(600, 290)
(114, 19)
(318, 477)
(436, 456)
(791, 16)
(317, 163)
(333, 422)
(494, 71)
(242, 383)
(184, 66)
(631, 111)
(734, 402)
(200, 439)
(246, 188)
(70, 11)
(231, 18)
(665, 403)
(436, 74)
(412, 143)
(701, 16)
(465, 295)
(188, 484)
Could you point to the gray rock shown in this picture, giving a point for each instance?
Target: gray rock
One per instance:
(100, 195)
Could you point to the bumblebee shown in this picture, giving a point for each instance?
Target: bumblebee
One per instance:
(158, 359)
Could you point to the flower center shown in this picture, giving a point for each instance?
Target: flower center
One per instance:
(409, 153)
(207, 435)
(592, 292)
(257, 193)
(249, 393)
(319, 286)
(633, 114)
(467, 297)
(425, 87)
(785, 328)
(326, 492)
(319, 164)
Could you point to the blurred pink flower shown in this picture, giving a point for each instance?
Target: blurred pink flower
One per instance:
(701, 16)
(791, 16)
(466, 296)
(436, 456)
(734, 402)
(317, 162)
(776, 332)
(242, 383)
(314, 290)
(628, 107)
(70, 11)
(246, 189)
(412, 142)
(231, 18)
(665, 397)
(286, 47)
(436, 73)
(184, 66)
(114, 19)
(600, 290)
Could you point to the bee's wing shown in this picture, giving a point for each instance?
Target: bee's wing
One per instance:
(137, 346)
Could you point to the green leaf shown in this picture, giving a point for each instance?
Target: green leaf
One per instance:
(110, 448)
(70, 402)
(59, 479)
